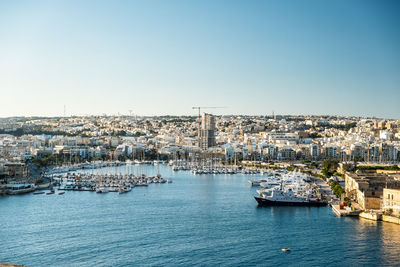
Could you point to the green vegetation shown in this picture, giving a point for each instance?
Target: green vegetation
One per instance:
(345, 127)
(348, 202)
(53, 159)
(329, 167)
(313, 164)
(338, 174)
(44, 161)
(337, 189)
(388, 212)
(137, 134)
(314, 135)
(306, 172)
(290, 168)
(118, 133)
(35, 131)
(175, 120)
(374, 168)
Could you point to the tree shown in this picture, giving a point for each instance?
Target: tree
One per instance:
(313, 164)
(329, 167)
(337, 189)
(314, 135)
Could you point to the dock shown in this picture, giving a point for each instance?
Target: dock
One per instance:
(345, 212)
(371, 215)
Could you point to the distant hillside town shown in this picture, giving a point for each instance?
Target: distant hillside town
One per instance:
(232, 138)
(358, 157)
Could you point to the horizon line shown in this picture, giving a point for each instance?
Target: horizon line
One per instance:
(193, 115)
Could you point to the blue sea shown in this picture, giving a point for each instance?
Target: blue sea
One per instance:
(203, 220)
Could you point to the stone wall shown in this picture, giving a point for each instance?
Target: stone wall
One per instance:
(372, 203)
(391, 219)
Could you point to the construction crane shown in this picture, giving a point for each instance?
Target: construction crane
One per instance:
(198, 108)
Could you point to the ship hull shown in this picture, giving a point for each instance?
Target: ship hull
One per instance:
(20, 191)
(266, 202)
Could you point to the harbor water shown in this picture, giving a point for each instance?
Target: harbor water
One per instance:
(203, 220)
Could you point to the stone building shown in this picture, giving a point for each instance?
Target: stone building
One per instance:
(367, 189)
(391, 201)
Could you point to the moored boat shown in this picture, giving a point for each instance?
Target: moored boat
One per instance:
(102, 190)
(278, 197)
(312, 203)
(17, 189)
(141, 184)
(257, 182)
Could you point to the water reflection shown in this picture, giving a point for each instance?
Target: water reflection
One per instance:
(196, 220)
(371, 241)
(390, 234)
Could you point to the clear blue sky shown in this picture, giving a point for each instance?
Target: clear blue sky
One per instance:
(163, 57)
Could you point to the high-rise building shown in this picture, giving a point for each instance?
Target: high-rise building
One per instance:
(207, 132)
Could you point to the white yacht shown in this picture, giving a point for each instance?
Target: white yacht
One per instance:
(258, 182)
(17, 189)
(102, 189)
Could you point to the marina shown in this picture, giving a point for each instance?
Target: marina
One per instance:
(199, 133)
(211, 166)
(104, 177)
(183, 223)
(100, 177)
(104, 183)
(101, 164)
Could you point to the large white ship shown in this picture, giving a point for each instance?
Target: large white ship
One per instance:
(291, 190)
(279, 197)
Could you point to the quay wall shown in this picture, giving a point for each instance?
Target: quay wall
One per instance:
(391, 219)
(371, 216)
